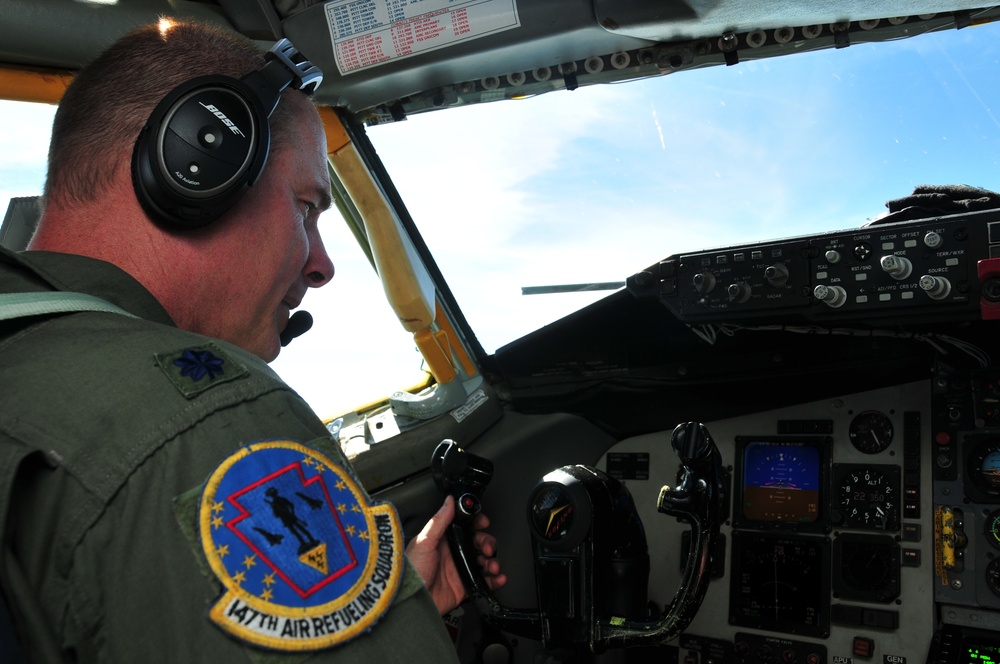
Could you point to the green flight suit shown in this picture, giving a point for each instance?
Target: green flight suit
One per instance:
(102, 555)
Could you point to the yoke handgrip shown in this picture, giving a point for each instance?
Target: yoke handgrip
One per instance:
(464, 477)
(699, 499)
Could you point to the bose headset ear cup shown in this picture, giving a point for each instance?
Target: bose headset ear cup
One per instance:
(208, 140)
(203, 145)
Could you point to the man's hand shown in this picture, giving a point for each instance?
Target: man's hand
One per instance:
(431, 556)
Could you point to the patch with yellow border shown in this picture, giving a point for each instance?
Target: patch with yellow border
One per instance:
(306, 561)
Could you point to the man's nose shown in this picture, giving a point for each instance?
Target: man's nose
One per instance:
(319, 270)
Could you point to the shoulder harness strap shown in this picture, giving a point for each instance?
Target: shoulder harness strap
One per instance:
(24, 305)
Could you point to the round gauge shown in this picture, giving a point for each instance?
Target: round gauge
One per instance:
(866, 567)
(552, 512)
(993, 576)
(871, 432)
(989, 470)
(993, 528)
(984, 471)
(868, 497)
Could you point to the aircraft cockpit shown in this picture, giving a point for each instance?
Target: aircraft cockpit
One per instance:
(736, 414)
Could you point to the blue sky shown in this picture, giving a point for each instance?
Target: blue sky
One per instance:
(596, 184)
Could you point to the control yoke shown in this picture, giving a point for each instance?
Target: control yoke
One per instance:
(464, 476)
(591, 564)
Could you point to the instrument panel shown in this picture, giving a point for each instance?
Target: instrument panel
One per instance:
(829, 547)
(864, 527)
(967, 498)
(900, 271)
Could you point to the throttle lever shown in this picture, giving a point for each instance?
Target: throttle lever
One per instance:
(463, 476)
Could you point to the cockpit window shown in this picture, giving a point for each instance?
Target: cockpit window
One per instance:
(590, 186)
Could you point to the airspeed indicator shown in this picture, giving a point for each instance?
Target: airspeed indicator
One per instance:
(871, 432)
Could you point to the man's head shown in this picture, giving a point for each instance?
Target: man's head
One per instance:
(238, 278)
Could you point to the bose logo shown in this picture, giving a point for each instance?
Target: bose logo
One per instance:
(222, 116)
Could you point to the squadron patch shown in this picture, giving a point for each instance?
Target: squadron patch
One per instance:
(306, 561)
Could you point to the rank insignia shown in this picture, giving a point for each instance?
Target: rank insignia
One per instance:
(306, 561)
(194, 370)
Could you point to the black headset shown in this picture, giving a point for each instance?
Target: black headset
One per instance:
(208, 140)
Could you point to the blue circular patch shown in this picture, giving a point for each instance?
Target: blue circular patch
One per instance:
(306, 561)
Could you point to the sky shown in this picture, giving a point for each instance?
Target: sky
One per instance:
(596, 184)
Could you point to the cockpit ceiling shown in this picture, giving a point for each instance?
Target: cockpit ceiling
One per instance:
(386, 59)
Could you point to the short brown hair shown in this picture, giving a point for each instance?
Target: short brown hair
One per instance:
(108, 103)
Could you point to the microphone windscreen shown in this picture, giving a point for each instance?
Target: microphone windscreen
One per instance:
(297, 325)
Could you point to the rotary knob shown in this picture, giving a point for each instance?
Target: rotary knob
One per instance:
(937, 288)
(777, 274)
(833, 296)
(739, 292)
(897, 267)
(704, 282)
(933, 240)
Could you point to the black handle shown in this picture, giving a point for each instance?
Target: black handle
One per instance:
(463, 476)
(699, 499)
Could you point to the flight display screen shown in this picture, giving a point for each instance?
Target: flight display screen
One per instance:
(780, 583)
(782, 480)
(981, 652)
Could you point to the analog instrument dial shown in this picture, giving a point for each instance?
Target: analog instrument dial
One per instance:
(871, 432)
(868, 497)
(983, 471)
(993, 576)
(866, 568)
(993, 528)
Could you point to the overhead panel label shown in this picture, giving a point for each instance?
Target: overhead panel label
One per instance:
(368, 33)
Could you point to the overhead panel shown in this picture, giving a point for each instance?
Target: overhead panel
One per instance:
(386, 59)
(659, 21)
(503, 36)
